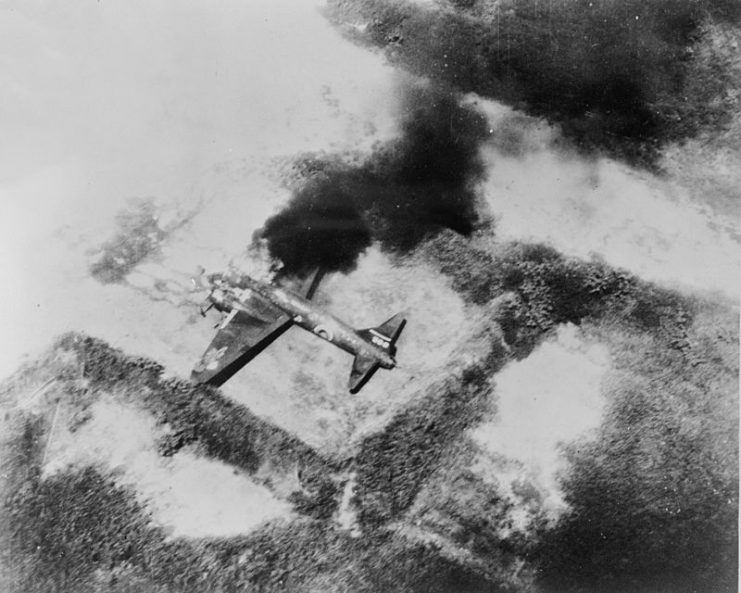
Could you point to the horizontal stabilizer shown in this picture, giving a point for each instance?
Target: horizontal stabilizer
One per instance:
(362, 370)
(386, 334)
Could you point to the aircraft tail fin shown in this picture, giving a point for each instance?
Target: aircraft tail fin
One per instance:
(386, 334)
(363, 368)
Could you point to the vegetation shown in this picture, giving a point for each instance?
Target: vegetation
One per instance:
(623, 77)
(538, 288)
(477, 519)
(67, 527)
(654, 500)
(195, 413)
(81, 532)
(656, 487)
(395, 463)
(654, 496)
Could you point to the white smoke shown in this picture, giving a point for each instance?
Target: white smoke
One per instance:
(651, 226)
(549, 399)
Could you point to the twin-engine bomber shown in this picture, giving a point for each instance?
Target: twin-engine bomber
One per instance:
(255, 313)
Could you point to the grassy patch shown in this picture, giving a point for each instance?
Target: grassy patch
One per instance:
(654, 496)
(654, 499)
(540, 288)
(70, 526)
(81, 532)
(475, 518)
(194, 414)
(658, 485)
(530, 289)
(395, 463)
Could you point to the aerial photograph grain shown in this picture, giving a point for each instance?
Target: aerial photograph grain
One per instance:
(369, 296)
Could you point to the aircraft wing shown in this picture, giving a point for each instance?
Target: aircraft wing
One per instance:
(240, 338)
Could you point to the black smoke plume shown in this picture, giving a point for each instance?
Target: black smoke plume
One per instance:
(405, 192)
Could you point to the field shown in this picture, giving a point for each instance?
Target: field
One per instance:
(546, 189)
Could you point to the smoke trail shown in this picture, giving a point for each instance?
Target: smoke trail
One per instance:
(139, 235)
(406, 191)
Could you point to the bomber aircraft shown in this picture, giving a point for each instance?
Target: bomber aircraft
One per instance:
(255, 313)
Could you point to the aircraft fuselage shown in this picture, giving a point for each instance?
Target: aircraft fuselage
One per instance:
(230, 298)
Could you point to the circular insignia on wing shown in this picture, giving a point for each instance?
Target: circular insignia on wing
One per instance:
(211, 358)
(324, 332)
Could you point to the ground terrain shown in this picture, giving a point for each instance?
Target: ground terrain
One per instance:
(547, 190)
